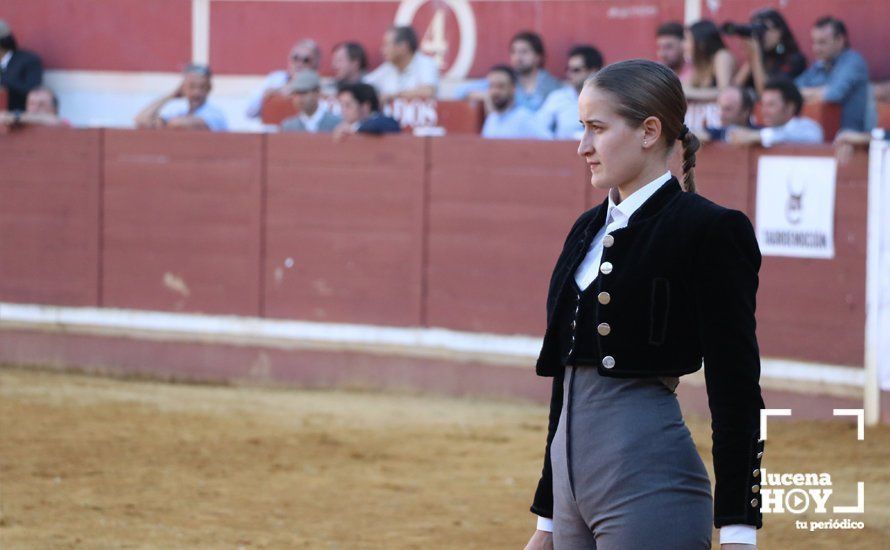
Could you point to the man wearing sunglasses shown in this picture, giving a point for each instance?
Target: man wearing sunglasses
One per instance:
(559, 113)
(304, 55)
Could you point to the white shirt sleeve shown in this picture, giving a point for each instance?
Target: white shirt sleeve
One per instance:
(739, 534)
(428, 72)
(545, 524)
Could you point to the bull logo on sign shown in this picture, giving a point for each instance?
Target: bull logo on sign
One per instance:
(794, 204)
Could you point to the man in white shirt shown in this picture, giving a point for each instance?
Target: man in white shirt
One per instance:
(312, 116)
(617, 216)
(304, 55)
(189, 108)
(559, 113)
(405, 73)
(507, 119)
(780, 109)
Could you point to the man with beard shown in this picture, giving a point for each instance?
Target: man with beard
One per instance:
(559, 114)
(508, 119)
(669, 47)
(534, 83)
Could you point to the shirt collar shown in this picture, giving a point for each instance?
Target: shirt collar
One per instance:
(316, 116)
(625, 209)
(4, 61)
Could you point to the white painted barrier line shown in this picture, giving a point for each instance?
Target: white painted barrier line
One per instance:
(519, 350)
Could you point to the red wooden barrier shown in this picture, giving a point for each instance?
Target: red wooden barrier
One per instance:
(344, 228)
(456, 232)
(814, 309)
(461, 117)
(499, 212)
(49, 216)
(182, 221)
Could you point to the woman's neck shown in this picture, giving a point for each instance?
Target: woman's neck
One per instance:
(646, 176)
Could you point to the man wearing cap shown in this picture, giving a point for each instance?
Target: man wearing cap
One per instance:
(194, 113)
(304, 90)
(20, 71)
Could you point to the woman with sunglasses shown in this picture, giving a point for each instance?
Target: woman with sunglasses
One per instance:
(650, 282)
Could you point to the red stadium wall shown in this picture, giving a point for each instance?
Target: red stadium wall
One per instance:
(252, 37)
(454, 232)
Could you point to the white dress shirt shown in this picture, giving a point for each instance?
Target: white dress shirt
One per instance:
(422, 70)
(617, 215)
(797, 130)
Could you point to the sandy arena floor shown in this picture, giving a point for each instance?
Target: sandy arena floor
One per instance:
(88, 462)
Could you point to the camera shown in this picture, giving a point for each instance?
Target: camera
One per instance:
(742, 29)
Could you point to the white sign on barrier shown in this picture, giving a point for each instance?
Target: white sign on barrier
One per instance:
(795, 206)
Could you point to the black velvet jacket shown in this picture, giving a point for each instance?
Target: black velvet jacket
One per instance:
(682, 280)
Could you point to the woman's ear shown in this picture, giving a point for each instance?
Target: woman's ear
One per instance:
(651, 131)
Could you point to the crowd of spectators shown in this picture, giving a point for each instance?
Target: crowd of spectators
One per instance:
(521, 98)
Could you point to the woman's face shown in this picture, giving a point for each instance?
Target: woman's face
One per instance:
(771, 37)
(612, 149)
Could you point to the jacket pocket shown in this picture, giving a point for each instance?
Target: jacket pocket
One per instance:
(658, 313)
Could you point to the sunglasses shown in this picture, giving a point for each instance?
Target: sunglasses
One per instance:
(305, 59)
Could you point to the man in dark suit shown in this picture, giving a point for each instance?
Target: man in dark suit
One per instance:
(20, 71)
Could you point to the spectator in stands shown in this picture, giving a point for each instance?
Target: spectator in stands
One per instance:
(527, 61)
(192, 111)
(559, 113)
(669, 48)
(20, 70)
(42, 109)
(305, 90)
(350, 63)
(736, 106)
(304, 55)
(534, 83)
(360, 108)
(839, 74)
(712, 64)
(780, 108)
(772, 51)
(405, 73)
(508, 119)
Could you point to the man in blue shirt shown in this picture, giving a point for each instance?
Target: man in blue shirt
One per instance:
(533, 81)
(839, 75)
(508, 119)
(186, 107)
(559, 113)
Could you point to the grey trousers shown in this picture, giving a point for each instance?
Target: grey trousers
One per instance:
(626, 474)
